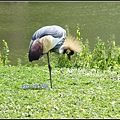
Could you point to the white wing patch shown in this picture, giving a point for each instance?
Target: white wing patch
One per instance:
(46, 42)
(49, 42)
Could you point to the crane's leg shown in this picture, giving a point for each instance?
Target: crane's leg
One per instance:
(50, 68)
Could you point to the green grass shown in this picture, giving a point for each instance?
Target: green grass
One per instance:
(77, 93)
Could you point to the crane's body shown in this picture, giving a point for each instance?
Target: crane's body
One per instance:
(51, 38)
(53, 30)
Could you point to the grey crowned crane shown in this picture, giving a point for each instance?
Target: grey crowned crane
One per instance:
(52, 39)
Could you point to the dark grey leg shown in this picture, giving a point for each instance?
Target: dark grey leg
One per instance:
(50, 68)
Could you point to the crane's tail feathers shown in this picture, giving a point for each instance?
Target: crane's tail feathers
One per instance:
(73, 44)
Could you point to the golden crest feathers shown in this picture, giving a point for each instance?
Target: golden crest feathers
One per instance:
(73, 44)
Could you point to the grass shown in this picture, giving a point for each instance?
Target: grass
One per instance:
(77, 93)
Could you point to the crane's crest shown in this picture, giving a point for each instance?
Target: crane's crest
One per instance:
(72, 44)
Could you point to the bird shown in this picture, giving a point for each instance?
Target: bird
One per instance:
(52, 38)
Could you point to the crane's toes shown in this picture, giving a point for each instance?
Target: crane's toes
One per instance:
(51, 89)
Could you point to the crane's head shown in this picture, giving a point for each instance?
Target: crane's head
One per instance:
(35, 50)
(70, 46)
(65, 50)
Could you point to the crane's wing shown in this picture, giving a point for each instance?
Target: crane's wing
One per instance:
(49, 42)
(57, 41)
(54, 30)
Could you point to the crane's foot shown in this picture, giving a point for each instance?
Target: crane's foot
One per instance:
(51, 89)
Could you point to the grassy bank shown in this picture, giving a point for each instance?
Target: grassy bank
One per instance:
(77, 93)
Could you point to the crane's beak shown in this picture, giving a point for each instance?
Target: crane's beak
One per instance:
(69, 55)
(35, 50)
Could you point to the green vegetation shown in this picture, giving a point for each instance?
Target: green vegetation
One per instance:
(4, 54)
(104, 56)
(77, 93)
(86, 87)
